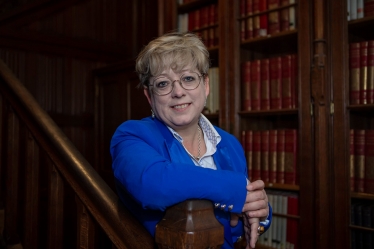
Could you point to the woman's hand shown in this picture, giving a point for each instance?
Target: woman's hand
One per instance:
(256, 202)
(250, 228)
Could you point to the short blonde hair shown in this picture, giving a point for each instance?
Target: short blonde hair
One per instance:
(172, 50)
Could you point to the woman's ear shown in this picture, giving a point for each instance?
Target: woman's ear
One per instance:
(207, 87)
(148, 95)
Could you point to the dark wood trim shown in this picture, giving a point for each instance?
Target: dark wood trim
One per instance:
(33, 11)
(63, 46)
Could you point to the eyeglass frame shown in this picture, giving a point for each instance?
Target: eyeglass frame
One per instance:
(180, 82)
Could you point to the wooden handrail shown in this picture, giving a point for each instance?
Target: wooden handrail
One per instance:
(103, 204)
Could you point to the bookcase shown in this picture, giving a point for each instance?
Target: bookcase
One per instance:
(319, 114)
(352, 84)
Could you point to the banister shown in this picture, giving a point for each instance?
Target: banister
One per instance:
(94, 193)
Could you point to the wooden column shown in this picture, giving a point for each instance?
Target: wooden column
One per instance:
(322, 119)
(190, 224)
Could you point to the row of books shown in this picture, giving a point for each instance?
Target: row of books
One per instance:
(271, 155)
(202, 21)
(357, 9)
(279, 19)
(361, 71)
(362, 160)
(212, 102)
(269, 83)
(361, 239)
(362, 214)
(283, 232)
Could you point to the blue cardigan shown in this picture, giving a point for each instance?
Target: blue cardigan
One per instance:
(153, 171)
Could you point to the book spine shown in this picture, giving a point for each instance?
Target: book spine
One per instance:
(249, 29)
(265, 85)
(256, 19)
(369, 162)
(370, 72)
(255, 84)
(292, 12)
(275, 83)
(265, 156)
(285, 16)
(273, 137)
(353, 12)
(256, 161)
(280, 156)
(359, 141)
(246, 85)
(249, 152)
(294, 74)
(263, 18)
(286, 81)
(352, 159)
(354, 73)
(290, 156)
(242, 22)
(363, 71)
(360, 9)
(274, 17)
(368, 8)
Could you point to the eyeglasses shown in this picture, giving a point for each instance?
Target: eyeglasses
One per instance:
(188, 81)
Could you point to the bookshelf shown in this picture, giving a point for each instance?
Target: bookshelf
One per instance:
(228, 54)
(349, 116)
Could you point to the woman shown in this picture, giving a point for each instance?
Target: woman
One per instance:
(177, 154)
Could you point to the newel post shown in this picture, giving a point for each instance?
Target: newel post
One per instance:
(190, 225)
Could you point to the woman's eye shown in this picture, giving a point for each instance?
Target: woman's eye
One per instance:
(162, 84)
(188, 78)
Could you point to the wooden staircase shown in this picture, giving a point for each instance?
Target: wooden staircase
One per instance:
(51, 197)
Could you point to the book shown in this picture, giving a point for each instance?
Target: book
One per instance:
(370, 72)
(255, 84)
(286, 82)
(353, 10)
(256, 156)
(265, 155)
(285, 16)
(204, 16)
(369, 162)
(242, 22)
(360, 9)
(359, 146)
(294, 81)
(256, 18)
(246, 85)
(280, 156)
(368, 8)
(249, 21)
(292, 223)
(354, 73)
(249, 152)
(363, 71)
(290, 157)
(275, 82)
(274, 17)
(263, 6)
(292, 18)
(273, 138)
(265, 84)
(352, 159)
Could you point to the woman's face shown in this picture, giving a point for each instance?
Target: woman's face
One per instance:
(181, 108)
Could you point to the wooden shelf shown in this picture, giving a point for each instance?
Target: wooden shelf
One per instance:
(279, 186)
(363, 196)
(268, 112)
